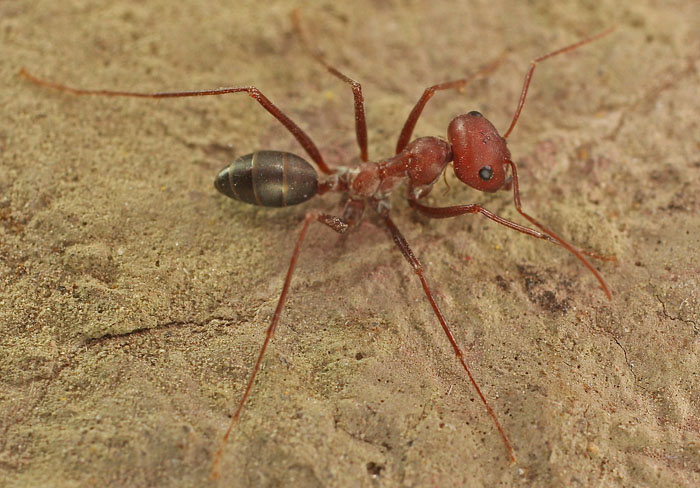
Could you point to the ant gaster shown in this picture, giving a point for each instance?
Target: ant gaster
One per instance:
(480, 159)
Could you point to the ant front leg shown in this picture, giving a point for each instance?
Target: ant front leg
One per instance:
(360, 122)
(410, 124)
(548, 235)
(405, 249)
(338, 225)
(271, 108)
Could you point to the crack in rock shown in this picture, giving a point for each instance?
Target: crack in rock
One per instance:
(679, 318)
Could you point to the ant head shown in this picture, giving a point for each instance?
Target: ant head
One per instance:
(480, 153)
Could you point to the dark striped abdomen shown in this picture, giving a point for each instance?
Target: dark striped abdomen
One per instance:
(268, 178)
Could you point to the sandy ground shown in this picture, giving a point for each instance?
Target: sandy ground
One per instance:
(135, 297)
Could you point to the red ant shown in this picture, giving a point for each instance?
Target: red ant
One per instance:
(277, 179)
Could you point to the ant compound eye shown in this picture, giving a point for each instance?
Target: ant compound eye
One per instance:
(474, 113)
(486, 173)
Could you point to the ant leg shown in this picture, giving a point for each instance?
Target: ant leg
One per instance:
(548, 235)
(410, 124)
(293, 128)
(402, 244)
(533, 65)
(446, 212)
(337, 225)
(562, 242)
(360, 123)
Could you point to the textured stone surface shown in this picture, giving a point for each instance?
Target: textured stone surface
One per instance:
(134, 297)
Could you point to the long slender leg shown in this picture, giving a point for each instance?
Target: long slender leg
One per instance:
(402, 244)
(410, 124)
(337, 225)
(360, 122)
(560, 241)
(533, 65)
(292, 127)
(446, 212)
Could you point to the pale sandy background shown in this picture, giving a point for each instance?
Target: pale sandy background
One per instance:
(134, 297)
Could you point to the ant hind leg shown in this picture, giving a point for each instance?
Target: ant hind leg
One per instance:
(338, 225)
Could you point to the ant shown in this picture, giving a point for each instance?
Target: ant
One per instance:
(480, 158)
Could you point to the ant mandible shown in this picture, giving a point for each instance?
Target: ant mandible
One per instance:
(276, 179)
